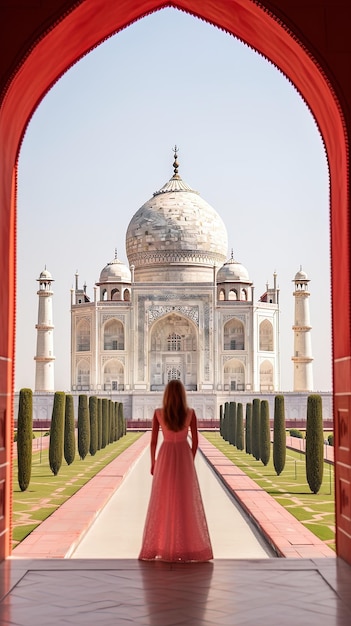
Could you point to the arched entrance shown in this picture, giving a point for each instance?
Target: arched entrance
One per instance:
(54, 38)
(173, 352)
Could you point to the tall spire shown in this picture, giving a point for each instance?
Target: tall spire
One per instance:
(175, 162)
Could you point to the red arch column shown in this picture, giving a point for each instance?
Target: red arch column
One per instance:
(309, 44)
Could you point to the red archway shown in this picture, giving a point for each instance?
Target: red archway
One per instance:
(45, 41)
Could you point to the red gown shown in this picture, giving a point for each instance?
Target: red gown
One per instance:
(175, 527)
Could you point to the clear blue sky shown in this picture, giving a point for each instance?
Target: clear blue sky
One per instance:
(100, 144)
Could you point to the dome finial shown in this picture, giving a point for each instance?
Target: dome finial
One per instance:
(115, 253)
(175, 163)
(232, 255)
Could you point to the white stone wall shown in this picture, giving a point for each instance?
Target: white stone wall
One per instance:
(141, 405)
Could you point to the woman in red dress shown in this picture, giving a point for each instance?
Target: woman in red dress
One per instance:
(175, 527)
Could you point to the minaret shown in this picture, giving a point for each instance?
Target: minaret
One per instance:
(303, 374)
(44, 369)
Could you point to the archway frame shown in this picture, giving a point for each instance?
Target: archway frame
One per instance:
(56, 45)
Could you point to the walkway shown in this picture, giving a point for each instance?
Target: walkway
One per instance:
(60, 534)
(309, 591)
(117, 531)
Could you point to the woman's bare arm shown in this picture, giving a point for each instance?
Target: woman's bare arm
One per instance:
(154, 438)
(194, 434)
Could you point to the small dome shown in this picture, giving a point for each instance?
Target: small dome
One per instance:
(115, 272)
(45, 275)
(301, 275)
(232, 271)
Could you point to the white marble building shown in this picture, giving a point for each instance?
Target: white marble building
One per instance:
(181, 309)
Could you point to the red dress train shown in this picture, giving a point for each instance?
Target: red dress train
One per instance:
(175, 527)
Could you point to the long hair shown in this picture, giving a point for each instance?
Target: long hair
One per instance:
(175, 405)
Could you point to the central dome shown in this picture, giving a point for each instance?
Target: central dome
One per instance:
(176, 235)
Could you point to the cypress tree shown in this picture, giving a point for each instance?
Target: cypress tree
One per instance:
(124, 421)
(239, 427)
(69, 444)
(255, 434)
(99, 423)
(232, 423)
(279, 435)
(265, 433)
(111, 422)
(220, 418)
(83, 426)
(57, 432)
(314, 443)
(116, 422)
(104, 438)
(93, 416)
(248, 428)
(225, 421)
(118, 425)
(25, 437)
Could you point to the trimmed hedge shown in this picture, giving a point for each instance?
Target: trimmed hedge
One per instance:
(69, 445)
(239, 427)
(24, 438)
(255, 435)
(265, 433)
(83, 426)
(104, 430)
(248, 428)
(279, 435)
(57, 432)
(93, 416)
(232, 423)
(314, 443)
(99, 423)
(294, 432)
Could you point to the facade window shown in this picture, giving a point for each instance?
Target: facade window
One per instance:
(266, 376)
(83, 374)
(83, 336)
(173, 342)
(114, 335)
(234, 335)
(266, 336)
(173, 374)
(113, 377)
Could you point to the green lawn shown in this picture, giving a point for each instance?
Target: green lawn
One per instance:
(290, 489)
(47, 492)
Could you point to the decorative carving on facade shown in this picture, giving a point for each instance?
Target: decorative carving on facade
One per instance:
(232, 316)
(83, 318)
(163, 257)
(106, 317)
(119, 358)
(233, 357)
(192, 312)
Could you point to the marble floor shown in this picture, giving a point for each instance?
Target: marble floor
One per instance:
(118, 592)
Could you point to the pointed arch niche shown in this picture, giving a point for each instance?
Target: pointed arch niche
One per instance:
(55, 35)
(266, 336)
(113, 335)
(173, 352)
(113, 375)
(234, 375)
(266, 376)
(234, 335)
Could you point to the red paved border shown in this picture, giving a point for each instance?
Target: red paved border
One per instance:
(58, 535)
(286, 534)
